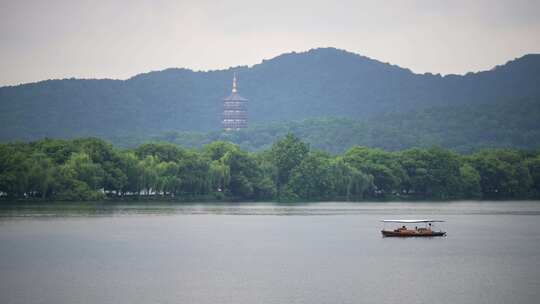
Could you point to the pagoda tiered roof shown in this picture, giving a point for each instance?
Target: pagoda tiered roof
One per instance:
(234, 97)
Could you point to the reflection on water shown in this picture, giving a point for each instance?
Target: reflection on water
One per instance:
(62, 209)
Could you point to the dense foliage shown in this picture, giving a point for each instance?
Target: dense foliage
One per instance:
(462, 129)
(91, 169)
(297, 86)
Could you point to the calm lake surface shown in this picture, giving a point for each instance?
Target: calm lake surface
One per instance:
(267, 253)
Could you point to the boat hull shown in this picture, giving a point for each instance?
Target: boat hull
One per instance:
(409, 233)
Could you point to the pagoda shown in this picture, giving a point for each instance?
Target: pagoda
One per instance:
(234, 110)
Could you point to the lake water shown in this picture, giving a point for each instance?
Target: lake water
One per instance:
(267, 253)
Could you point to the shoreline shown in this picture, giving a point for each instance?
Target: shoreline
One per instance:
(242, 202)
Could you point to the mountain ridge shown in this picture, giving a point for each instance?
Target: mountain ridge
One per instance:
(535, 56)
(323, 82)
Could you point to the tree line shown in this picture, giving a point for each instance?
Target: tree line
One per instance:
(92, 169)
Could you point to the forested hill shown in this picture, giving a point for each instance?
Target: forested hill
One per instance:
(319, 83)
(464, 129)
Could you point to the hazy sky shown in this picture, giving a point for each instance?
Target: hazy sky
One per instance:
(45, 39)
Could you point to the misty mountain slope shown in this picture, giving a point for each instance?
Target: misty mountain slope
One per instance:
(319, 83)
(464, 129)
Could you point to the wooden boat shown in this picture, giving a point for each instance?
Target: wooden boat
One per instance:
(403, 231)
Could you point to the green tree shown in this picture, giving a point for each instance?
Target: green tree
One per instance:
(533, 164)
(383, 166)
(149, 174)
(503, 173)
(56, 149)
(287, 154)
(79, 179)
(311, 178)
(220, 175)
(14, 167)
(346, 181)
(217, 149)
(168, 181)
(161, 151)
(470, 182)
(432, 173)
(41, 171)
(194, 172)
(128, 163)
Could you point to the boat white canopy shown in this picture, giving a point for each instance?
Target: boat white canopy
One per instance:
(411, 221)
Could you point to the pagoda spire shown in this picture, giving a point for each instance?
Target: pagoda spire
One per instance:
(234, 83)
